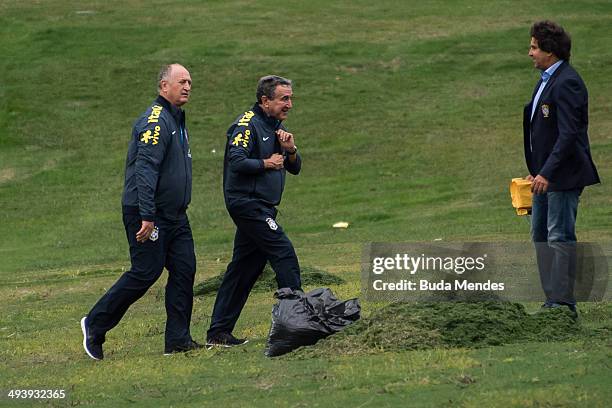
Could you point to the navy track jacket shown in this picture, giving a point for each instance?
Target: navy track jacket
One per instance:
(158, 166)
(250, 139)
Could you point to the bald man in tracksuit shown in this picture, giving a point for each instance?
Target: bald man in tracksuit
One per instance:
(156, 195)
(259, 152)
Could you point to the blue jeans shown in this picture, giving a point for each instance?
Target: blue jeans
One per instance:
(553, 231)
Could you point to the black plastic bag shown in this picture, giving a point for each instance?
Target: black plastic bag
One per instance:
(302, 319)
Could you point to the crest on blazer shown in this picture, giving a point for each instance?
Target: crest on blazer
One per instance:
(545, 110)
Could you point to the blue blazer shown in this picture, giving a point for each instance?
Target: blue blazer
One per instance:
(556, 140)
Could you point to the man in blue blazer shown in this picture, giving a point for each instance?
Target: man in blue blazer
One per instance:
(558, 157)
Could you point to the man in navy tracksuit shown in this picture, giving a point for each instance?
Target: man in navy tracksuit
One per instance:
(258, 153)
(155, 198)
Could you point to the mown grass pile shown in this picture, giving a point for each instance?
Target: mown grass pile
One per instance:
(267, 281)
(417, 326)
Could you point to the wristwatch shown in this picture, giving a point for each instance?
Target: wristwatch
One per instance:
(293, 152)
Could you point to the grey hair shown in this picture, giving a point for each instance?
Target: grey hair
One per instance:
(164, 74)
(267, 85)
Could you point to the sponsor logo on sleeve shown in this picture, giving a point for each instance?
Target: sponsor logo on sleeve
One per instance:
(151, 136)
(242, 140)
(155, 112)
(246, 118)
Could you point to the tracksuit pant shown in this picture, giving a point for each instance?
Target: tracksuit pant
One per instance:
(172, 249)
(258, 239)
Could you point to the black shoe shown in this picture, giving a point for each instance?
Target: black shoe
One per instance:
(573, 311)
(92, 349)
(183, 348)
(224, 340)
(552, 305)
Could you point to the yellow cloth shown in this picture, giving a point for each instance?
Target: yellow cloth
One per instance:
(520, 191)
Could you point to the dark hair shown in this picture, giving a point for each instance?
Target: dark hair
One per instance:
(267, 85)
(551, 37)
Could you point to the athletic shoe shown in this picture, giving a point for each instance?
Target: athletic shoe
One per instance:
(183, 348)
(92, 349)
(224, 339)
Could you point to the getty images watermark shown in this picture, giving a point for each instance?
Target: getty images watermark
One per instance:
(480, 271)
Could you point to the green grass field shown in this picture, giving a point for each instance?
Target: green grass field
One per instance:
(408, 117)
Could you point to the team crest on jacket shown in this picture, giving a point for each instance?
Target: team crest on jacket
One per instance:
(272, 224)
(545, 110)
(155, 234)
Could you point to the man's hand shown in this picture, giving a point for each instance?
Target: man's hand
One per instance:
(274, 162)
(145, 231)
(529, 177)
(286, 140)
(539, 185)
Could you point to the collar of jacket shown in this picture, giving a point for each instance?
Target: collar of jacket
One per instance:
(555, 74)
(275, 123)
(553, 77)
(176, 112)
